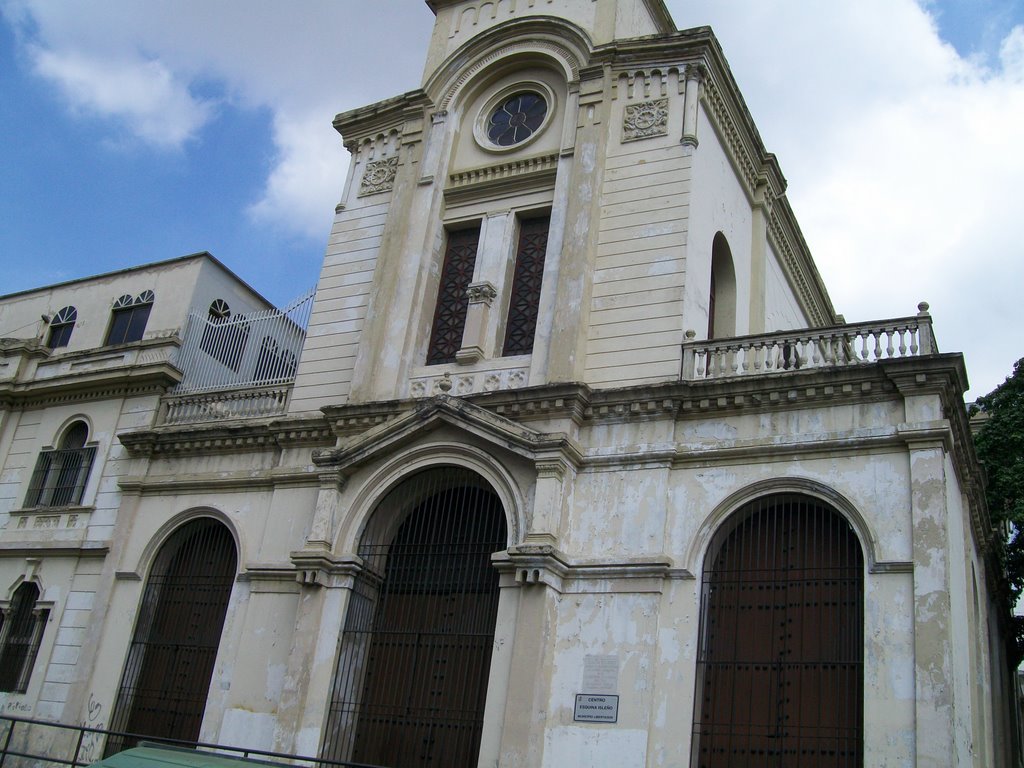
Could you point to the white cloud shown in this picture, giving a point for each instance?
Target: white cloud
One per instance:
(155, 105)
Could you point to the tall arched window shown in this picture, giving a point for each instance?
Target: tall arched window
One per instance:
(780, 662)
(60, 475)
(722, 299)
(166, 678)
(413, 660)
(21, 631)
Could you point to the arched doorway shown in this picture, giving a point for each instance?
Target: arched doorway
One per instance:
(414, 657)
(166, 678)
(780, 662)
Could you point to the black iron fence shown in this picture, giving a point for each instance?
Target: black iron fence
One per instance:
(26, 742)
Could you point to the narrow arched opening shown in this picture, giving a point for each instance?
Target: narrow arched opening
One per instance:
(413, 660)
(166, 679)
(722, 296)
(780, 658)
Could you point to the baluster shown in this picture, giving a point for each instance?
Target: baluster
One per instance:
(889, 349)
(878, 344)
(903, 342)
(734, 359)
(700, 363)
(913, 341)
(757, 350)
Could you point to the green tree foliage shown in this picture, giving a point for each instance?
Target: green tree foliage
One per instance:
(1000, 447)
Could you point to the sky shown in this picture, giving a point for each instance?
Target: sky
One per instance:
(142, 130)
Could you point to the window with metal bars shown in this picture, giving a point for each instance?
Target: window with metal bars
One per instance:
(60, 475)
(224, 337)
(166, 678)
(61, 326)
(21, 633)
(780, 658)
(128, 318)
(411, 673)
(524, 299)
(452, 301)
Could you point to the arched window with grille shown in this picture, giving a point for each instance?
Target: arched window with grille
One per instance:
(21, 631)
(413, 660)
(166, 678)
(780, 658)
(60, 474)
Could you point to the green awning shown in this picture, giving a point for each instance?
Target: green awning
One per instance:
(151, 756)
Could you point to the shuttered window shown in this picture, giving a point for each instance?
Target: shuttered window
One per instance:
(20, 636)
(452, 301)
(524, 300)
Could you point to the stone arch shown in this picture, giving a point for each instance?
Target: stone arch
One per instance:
(780, 659)
(413, 660)
(144, 564)
(697, 552)
(415, 459)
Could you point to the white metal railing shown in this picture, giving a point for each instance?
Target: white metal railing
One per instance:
(835, 346)
(244, 403)
(257, 349)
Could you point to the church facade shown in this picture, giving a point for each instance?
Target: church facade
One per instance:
(574, 465)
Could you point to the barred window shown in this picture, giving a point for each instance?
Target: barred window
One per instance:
(128, 318)
(61, 474)
(524, 300)
(61, 326)
(452, 302)
(20, 636)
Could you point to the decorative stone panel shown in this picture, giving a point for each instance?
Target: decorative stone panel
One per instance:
(468, 383)
(379, 176)
(646, 119)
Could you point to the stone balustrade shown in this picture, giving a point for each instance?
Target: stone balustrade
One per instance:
(800, 349)
(239, 403)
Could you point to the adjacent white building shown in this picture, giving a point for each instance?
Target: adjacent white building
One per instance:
(578, 466)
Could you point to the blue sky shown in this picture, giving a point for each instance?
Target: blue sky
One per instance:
(141, 131)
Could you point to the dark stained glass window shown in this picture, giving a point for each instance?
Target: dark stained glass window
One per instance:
(524, 300)
(516, 118)
(450, 313)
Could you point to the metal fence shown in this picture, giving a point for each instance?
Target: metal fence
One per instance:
(29, 743)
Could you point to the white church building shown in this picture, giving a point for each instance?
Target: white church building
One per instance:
(569, 463)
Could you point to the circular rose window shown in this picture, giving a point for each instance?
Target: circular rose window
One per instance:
(516, 118)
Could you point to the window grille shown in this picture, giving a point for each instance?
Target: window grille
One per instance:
(452, 302)
(20, 637)
(60, 475)
(224, 338)
(61, 326)
(413, 660)
(524, 300)
(780, 660)
(128, 318)
(166, 678)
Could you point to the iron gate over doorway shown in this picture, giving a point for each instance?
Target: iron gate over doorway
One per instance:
(170, 662)
(780, 663)
(414, 657)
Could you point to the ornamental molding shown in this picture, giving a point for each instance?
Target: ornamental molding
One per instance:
(502, 180)
(645, 120)
(483, 292)
(526, 46)
(379, 176)
(468, 383)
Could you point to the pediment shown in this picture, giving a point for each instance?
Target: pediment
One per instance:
(440, 411)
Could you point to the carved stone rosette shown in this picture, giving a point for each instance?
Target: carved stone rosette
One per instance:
(379, 176)
(646, 119)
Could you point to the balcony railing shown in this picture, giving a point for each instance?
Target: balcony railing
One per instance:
(241, 403)
(809, 348)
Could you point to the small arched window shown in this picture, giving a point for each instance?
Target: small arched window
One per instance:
(61, 326)
(224, 337)
(61, 473)
(128, 318)
(20, 635)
